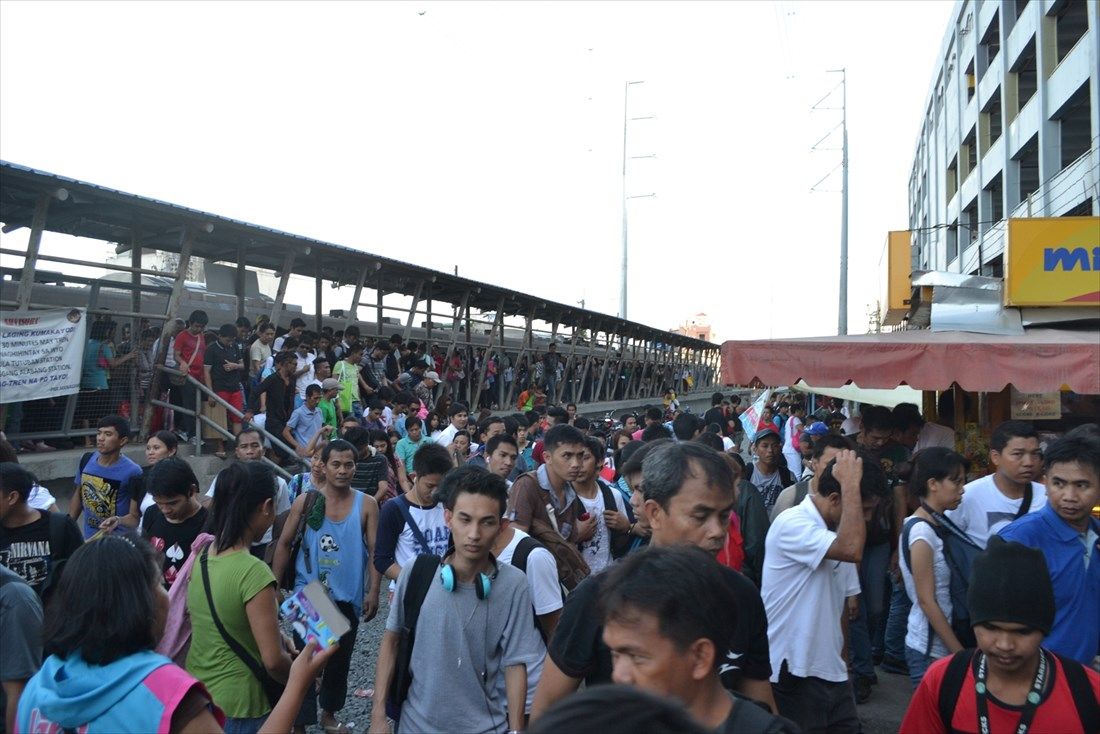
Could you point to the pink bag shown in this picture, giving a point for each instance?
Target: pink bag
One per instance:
(176, 640)
(422, 414)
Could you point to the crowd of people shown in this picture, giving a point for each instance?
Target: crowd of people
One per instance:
(693, 572)
(234, 359)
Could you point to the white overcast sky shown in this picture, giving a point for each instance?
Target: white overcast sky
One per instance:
(489, 135)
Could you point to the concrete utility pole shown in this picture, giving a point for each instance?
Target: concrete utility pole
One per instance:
(626, 121)
(842, 320)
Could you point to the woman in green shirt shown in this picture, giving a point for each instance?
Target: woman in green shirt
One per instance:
(243, 591)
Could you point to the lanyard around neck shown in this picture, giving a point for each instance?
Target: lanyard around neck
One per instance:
(1034, 696)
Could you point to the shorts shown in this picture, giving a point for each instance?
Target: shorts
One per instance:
(236, 399)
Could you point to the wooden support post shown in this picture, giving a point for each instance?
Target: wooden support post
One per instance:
(454, 330)
(567, 375)
(241, 285)
(166, 330)
(30, 261)
(603, 368)
(318, 292)
(353, 314)
(469, 353)
(524, 347)
(428, 309)
(498, 323)
(412, 308)
(379, 327)
(280, 294)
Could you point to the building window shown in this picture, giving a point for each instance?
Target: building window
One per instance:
(991, 42)
(1025, 72)
(990, 122)
(952, 179)
(1020, 5)
(952, 241)
(968, 155)
(1027, 160)
(1073, 124)
(969, 220)
(1072, 21)
(995, 206)
(971, 82)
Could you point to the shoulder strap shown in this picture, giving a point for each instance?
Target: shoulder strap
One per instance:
(522, 551)
(905, 539)
(801, 489)
(238, 649)
(608, 498)
(403, 507)
(57, 532)
(1025, 503)
(85, 459)
(420, 580)
(1083, 694)
(951, 685)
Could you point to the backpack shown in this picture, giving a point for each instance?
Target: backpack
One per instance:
(620, 541)
(1080, 689)
(572, 568)
(519, 560)
(420, 580)
(176, 640)
(959, 552)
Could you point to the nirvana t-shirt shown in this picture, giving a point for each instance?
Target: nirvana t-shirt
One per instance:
(173, 539)
(29, 551)
(106, 491)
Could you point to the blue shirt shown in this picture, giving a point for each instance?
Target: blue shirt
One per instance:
(1076, 631)
(304, 424)
(106, 491)
(339, 556)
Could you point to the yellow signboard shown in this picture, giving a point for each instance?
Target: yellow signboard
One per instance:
(1053, 262)
(895, 300)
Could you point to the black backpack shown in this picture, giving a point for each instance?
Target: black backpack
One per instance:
(1080, 689)
(519, 560)
(959, 551)
(420, 580)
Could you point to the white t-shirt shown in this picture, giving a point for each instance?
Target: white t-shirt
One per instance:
(303, 381)
(445, 437)
(40, 497)
(434, 527)
(789, 431)
(597, 550)
(916, 636)
(282, 503)
(542, 581)
(933, 434)
(803, 593)
(984, 510)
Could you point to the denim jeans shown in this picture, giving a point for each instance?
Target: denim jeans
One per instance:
(918, 663)
(897, 622)
(872, 600)
(244, 726)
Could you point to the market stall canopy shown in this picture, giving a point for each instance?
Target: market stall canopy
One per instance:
(865, 396)
(1039, 360)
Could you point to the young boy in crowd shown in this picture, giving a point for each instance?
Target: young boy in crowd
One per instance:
(407, 449)
(1011, 683)
(106, 481)
(32, 541)
(172, 524)
(413, 523)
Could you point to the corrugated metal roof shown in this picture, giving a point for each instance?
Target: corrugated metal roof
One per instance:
(102, 213)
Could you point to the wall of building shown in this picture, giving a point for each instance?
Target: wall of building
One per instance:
(1011, 129)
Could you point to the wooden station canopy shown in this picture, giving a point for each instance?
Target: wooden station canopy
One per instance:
(88, 210)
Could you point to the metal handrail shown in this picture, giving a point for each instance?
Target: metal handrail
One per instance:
(211, 395)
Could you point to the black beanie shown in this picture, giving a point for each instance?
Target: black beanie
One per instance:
(1009, 582)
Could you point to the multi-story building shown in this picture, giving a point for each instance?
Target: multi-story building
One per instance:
(1011, 129)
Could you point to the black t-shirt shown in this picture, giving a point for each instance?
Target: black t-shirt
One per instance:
(172, 539)
(368, 473)
(215, 358)
(280, 399)
(29, 550)
(577, 647)
(715, 415)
